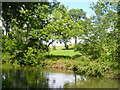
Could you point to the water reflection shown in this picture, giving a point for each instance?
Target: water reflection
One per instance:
(42, 78)
(58, 80)
(23, 79)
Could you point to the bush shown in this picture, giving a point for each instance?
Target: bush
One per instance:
(32, 56)
(88, 49)
(91, 68)
(6, 57)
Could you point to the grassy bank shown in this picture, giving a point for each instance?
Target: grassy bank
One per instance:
(71, 60)
(83, 66)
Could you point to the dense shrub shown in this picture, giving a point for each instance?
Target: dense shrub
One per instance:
(91, 68)
(32, 56)
(6, 57)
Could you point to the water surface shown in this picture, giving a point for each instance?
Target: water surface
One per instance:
(28, 77)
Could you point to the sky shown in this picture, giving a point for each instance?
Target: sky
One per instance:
(79, 5)
(75, 4)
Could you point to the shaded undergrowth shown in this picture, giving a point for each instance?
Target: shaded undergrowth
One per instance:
(51, 56)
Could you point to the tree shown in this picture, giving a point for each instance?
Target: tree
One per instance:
(62, 27)
(118, 32)
(10, 11)
(77, 14)
(62, 21)
(24, 36)
(99, 38)
(60, 30)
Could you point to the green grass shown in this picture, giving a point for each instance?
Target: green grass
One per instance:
(60, 50)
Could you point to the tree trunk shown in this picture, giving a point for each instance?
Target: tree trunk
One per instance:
(50, 43)
(75, 40)
(66, 46)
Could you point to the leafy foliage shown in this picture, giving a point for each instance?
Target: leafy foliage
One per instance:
(25, 37)
(99, 39)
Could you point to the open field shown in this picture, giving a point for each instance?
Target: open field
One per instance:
(60, 50)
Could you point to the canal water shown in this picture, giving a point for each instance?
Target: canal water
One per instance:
(30, 77)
